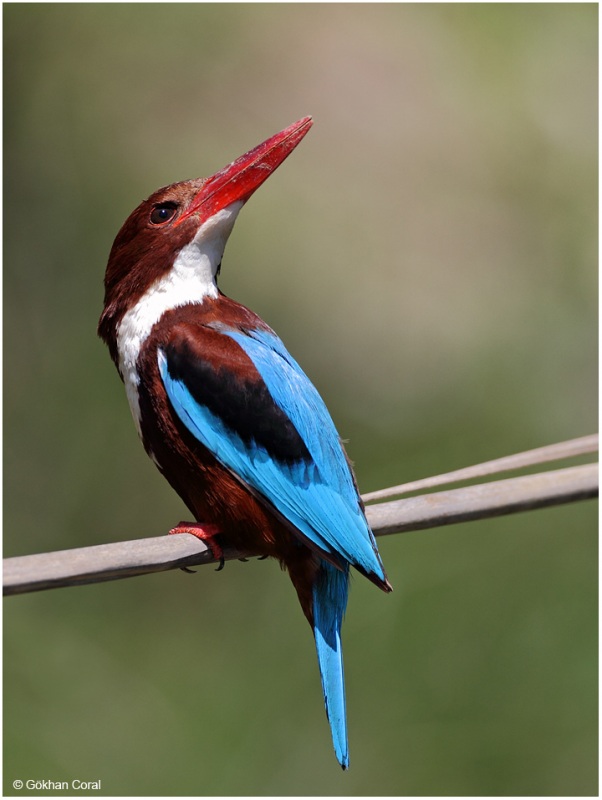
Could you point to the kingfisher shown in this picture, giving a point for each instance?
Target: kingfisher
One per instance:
(226, 413)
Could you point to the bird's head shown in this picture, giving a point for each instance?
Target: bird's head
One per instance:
(169, 249)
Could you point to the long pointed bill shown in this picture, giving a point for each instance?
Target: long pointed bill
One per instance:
(242, 177)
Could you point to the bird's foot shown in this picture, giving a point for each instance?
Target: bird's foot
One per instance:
(207, 533)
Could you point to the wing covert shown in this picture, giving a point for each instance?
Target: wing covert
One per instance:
(248, 401)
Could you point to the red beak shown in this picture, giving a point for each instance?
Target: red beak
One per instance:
(242, 177)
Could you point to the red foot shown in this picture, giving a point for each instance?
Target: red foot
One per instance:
(207, 533)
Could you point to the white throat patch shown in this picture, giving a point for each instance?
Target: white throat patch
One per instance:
(190, 280)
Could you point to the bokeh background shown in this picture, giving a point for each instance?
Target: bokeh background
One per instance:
(429, 255)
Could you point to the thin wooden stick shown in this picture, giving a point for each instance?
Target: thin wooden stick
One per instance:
(126, 559)
(529, 458)
(485, 500)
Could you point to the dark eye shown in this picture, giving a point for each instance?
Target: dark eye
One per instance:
(163, 213)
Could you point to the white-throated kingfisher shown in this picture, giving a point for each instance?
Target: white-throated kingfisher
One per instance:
(225, 412)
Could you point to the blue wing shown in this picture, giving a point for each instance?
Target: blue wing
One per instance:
(280, 440)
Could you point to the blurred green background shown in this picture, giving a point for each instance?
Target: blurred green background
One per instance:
(429, 255)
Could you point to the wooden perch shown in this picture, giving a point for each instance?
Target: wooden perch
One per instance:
(140, 556)
(584, 445)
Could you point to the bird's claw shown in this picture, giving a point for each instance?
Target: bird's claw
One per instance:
(206, 533)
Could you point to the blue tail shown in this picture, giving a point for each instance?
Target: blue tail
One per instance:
(330, 599)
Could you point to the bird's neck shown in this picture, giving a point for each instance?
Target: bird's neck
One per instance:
(191, 278)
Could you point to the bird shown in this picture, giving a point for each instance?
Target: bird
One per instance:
(227, 414)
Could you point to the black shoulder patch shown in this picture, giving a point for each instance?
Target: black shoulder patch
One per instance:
(230, 387)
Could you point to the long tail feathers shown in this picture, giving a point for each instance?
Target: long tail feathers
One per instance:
(329, 602)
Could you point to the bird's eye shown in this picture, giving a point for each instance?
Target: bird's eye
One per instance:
(163, 213)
